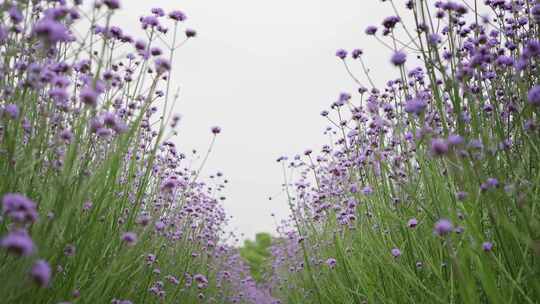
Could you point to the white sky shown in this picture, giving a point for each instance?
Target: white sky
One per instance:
(263, 71)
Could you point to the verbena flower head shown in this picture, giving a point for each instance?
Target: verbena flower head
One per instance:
(11, 110)
(15, 15)
(356, 53)
(412, 223)
(41, 273)
(535, 12)
(112, 4)
(215, 130)
(331, 262)
(130, 238)
(371, 30)
(162, 65)
(396, 252)
(177, 15)
(341, 54)
(415, 105)
(191, 33)
(19, 208)
(89, 96)
(51, 31)
(439, 146)
(398, 58)
(18, 242)
(202, 281)
(443, 227)
(487, 246)
(533, 97)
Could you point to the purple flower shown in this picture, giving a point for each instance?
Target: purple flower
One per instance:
(19, 208)
(162, 65)
(18, 242)
(398, 58)
(534, 95)
(415, 105)
(201, 280)
(390, 22)
(41, 273)
(341, 54)
(371, 30)
(356, 53)
(177, 15)
(15, 15)
(434, 39)
(489, 183)
(159, 225)
(396, 252)
(443, 227)
(130, 238)
(412, 223)
(367, 190)
(12, 110)
(455, 140)
(487, 246)
(89, 96)
(158, 11)
(190, 33)
(439, 146)
(535, 12)
(66, 135)
(112, 4)
(51, 31)
(103, 132)
(215, 130)
(461, 195)
(331, 262)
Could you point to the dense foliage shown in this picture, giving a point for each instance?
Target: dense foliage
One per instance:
(98, 205)
(427, 193)
(256, 254)
(429, 190)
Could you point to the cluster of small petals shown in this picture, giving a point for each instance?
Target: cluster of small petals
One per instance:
(129, 238)
(19, 208)
(443, 227)
(533, 97)
(398, 58)
(191, 33)
(201, 280)
(177, 15)
(162, 65)
(412, 223)
(371, 30)
(18, 242)
(112, 4)
(439, 146)
(215, 130)
(331, 262)
(51, 31)
(341, 54)
(11, 111)
(41, 273)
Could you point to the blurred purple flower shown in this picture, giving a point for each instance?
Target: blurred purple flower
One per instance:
(41, 273)
(443, 227)
(534, 95)
(398, 58)
(18, 242)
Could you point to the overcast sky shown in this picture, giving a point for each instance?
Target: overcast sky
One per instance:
(263, 71)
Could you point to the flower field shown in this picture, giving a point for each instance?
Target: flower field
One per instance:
(427, 191)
